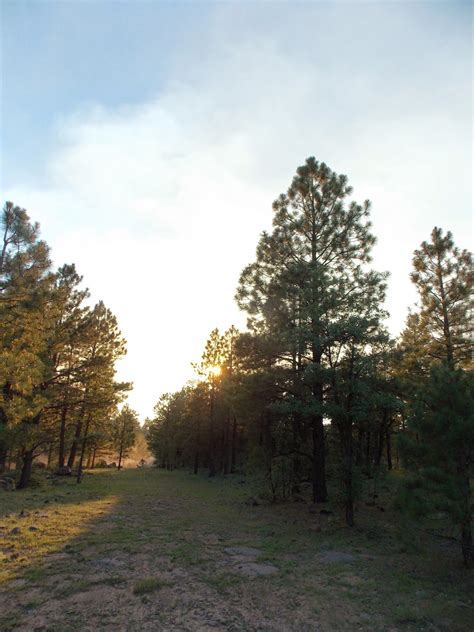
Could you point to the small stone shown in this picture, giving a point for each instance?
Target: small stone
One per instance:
(33, 529)
(15, 531)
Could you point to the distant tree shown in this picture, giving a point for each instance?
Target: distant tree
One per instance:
(125, 427)
(101, 345)
(211, 370)
(56, 354)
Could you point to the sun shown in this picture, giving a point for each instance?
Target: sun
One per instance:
(215, 370)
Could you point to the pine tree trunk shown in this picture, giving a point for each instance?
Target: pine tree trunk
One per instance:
(466, 530)
(234, 445)
(122, 439)
(62, 437)
(467, 545)
(267, 445)
(75, 444)
(212, 465)
(320, 494)
(25, 476)
(7, 396)
(349, 476)
(388, 442)
(379, 452)
(83, 449)
(50, 455)
(3, 456)
(94, 451)
(77, 433)
(119, 467)
(226, 466)
(296, 462)
(358, 451)
(368, 464)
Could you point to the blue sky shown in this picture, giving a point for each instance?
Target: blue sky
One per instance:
(150, 139)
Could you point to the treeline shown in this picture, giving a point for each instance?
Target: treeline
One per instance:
(316, 390)
(59, 396)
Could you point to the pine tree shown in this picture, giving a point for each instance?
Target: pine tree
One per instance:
(438, 443)
(309, 274)
(26, 326)
(443, 277)
(125, 427)
(438, 448)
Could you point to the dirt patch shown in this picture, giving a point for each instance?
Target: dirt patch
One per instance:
(242, 551)
(253, 569)
(336, 557)
(194, 540)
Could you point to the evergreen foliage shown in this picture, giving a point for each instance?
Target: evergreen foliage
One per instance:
(57, 356)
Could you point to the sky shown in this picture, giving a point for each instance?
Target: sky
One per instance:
(149, 139)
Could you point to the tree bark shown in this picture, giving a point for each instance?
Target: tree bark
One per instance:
(25, 477)
(380, 442)
(234, 446)
(466, 530)
(212, 464)
(358, 451)
(50, 454)
(388, 442)
(62, 437)
(296, 461)
(83, 449)
(6, 395)
(347, 443)
(77, 436)
(368, 464)
(320, 494)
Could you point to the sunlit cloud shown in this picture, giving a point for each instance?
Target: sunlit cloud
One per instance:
(160, 204)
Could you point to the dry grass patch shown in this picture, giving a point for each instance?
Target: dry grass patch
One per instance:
(148, 585)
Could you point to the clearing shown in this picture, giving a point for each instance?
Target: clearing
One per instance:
(154, 550)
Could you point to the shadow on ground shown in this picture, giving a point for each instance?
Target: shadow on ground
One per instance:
(152, 550)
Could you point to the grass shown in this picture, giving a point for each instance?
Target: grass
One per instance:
(95, 547)
(148, 585)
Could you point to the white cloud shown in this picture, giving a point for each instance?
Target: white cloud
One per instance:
(160, 205)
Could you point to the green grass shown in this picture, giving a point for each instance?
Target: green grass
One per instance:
(119, 535)
(148, 585)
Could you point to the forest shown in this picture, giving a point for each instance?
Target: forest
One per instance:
(57, 362)
(314, 400)
(317, 391)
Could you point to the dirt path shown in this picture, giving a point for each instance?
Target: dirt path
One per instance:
(149, 550)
